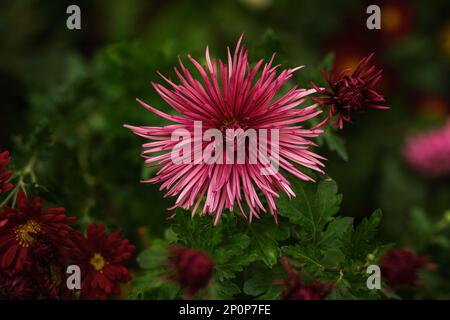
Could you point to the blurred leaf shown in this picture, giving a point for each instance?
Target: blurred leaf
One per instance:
(336, 143)
(153, 257)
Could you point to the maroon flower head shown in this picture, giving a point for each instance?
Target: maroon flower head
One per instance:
(43, 251)
(24, 228)
(18, 286)
(5, 175)
(351, 93)
(101, 258)
(192, 269)
(37, 283)
(295, 289)
(399, 268)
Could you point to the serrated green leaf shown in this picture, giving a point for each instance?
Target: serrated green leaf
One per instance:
(265, 246)
(334, 231)
(301, 254)
(360, 241)
(314, 205)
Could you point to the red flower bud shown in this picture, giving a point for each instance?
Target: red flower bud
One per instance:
(192, 269)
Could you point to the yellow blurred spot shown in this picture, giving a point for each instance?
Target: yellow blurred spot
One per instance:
(348, 62)
(445, 39)
(391, 18)
(257, 4)
(434, 106)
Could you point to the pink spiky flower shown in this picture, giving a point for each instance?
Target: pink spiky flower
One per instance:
(429, 153)
(231, 95)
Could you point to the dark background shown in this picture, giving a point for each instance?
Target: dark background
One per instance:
(65, 95)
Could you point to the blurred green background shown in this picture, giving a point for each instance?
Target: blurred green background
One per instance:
(67, 93)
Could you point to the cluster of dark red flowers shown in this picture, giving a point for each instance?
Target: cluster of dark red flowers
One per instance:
(349, 94)
(399, 268)
(295, 289)
(191, 269)
(37, 245)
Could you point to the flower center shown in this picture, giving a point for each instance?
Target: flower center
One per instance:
(98, 262)
(351, 95)
(232, 124)
(24, 232)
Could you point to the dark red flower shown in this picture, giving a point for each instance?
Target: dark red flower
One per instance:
(44, 250)
(5, 175)
(192, 269)
(24, 230)
(101, 258)
(297, 290)
(37, 283)
(18, 286)
(52, 281)
(351, 93)
(399, 268)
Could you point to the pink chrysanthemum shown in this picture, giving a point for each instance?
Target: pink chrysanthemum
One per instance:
(231, 95)
(429, 153)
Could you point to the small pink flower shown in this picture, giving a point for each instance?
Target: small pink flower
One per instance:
(429, 153)
(231, 95)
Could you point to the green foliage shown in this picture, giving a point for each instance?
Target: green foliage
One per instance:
(320, 243)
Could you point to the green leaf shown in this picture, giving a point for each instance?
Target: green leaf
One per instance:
(265, 235)
(334, 231)
(360, 241)
(314, 205)
(304, 255)
(152, 257)
(327, 62)
(265, 245)
(258, 283)
(223, 290)
(336, 143)
(232, 256)
(342, 291)
(420, 223)
(332, 257)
